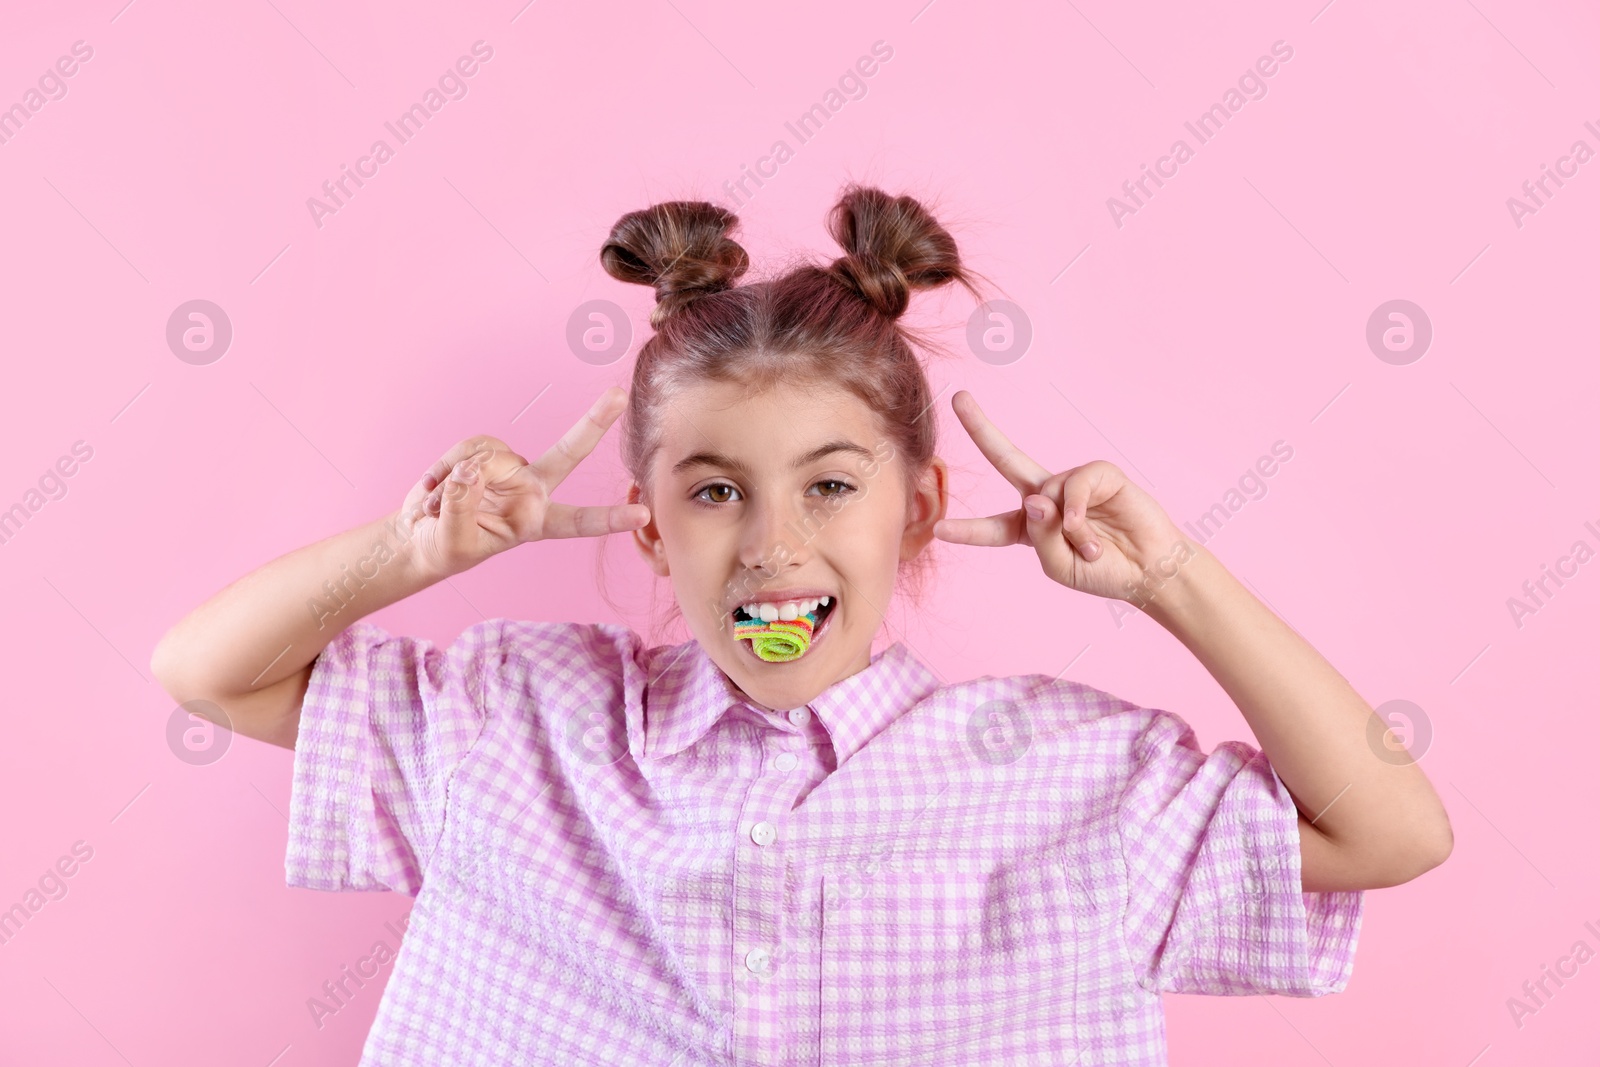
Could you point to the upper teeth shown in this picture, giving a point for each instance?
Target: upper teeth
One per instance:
(788, 610)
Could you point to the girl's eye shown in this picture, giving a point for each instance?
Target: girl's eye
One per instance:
(712, 488)
(721, 492)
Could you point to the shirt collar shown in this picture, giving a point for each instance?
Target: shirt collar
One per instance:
(688, 693)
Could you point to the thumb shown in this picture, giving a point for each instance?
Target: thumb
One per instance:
(458, 510)
(1045, 533)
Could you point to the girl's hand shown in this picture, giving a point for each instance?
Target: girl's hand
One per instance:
(1097, 532)
(482, 498)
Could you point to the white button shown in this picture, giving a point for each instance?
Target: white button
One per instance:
(799, 715)
(786, 762)
(763, 833)
(756, 959)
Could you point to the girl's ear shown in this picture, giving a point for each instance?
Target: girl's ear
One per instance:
(926, 507)
(647, 538)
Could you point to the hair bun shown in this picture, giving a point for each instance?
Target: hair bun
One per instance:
(681, 247)
(892, 245)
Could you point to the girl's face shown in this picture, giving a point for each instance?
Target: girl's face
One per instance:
(792, 489)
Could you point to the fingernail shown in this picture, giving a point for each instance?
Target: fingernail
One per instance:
(466, 472)
(1091, 550)
(1035, 512)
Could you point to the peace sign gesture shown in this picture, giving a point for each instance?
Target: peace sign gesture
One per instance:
(482, 497)
(1095, 531)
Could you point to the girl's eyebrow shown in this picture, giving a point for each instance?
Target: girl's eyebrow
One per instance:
(717, 459)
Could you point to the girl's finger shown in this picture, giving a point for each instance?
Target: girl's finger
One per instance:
(1054, 552)
(499, 468)
(478, 448)
(565, 520)
(1075, 489)
(578, 442)
(994, 531)
(1077, 495)
(460, 494)
(1017, 466)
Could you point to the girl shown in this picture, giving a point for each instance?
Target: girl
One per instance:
(766, 845)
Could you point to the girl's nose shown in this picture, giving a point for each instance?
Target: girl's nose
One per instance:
(770, 539)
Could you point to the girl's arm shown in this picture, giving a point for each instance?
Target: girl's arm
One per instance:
(250, 648)
(1365, 822)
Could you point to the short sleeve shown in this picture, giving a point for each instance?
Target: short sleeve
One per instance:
(384, 724)
(1212, 851)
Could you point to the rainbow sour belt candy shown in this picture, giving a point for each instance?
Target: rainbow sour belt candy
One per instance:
(777, 641)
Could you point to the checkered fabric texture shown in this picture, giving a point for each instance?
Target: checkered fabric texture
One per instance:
(618, 860)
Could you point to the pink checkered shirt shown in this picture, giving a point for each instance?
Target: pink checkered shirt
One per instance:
(617, 860)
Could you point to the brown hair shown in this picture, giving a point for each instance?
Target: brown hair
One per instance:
(836, 324)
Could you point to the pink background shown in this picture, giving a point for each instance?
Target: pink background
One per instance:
(1227, 314)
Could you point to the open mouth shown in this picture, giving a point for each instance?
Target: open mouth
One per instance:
(798, 633)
